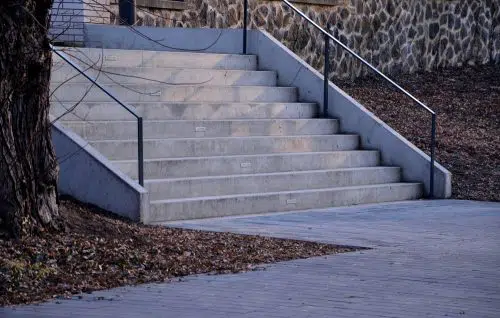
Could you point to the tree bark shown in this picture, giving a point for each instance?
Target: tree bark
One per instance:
(28, 166)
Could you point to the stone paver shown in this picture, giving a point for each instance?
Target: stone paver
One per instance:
(429, 259)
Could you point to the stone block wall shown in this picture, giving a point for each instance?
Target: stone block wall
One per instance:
(393, 35)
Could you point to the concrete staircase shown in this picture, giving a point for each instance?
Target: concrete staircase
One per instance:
(220, 137)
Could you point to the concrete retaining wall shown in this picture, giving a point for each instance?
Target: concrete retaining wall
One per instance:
(164, 39)
(89, 177)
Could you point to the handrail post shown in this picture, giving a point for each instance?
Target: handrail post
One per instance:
(326, 73)
(140, 151)
(245, 13)
(433, 149)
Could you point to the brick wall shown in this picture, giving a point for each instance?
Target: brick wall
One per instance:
(68, 17)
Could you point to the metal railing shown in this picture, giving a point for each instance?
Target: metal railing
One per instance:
(327, 38)
(140, 139)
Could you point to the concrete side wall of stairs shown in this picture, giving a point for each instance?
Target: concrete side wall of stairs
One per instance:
(354, 118)
(291, 71)
(89, 177)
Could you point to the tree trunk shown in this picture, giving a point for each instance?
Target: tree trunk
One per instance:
(28, 166)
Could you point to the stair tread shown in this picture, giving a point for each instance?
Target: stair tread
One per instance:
(196, 120)
(192, 110)
(119, 57)
(131, 51)
(179, 200)
(281, 173)
(139, 68)
(107, 67)
(226, 138)
(246, 156)
(163, 85)
(197, 103)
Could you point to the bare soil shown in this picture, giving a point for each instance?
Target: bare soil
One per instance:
(467, 103)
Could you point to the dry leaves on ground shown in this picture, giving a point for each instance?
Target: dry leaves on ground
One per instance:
(102, 251)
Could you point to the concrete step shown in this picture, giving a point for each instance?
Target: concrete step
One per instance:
(204, 147)
(241, 204)
(111, 130)
(71, 92)
(185, 111)
(160, 189)
(158, 59)
(248, 164)
(152, 75)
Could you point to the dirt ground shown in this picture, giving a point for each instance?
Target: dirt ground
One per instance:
(467, 103)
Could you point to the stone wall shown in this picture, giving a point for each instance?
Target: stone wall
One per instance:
(394, 35)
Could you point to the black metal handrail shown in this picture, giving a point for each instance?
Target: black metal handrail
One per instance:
(329, 37)
(140, 139)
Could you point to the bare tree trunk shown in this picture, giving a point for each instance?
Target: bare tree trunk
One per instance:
(28, 166)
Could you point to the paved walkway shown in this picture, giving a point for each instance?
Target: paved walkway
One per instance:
(430, 259)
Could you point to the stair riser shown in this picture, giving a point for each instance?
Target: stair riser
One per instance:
(267, 203)
(170, 76)
(191, 129)
(110, 58)
(161, 190)
(177, 93)
(174, 148)
(197, 167)
(158, 111)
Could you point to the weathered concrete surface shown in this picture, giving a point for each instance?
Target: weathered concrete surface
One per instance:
(170, 188)
(280, 201)
(430, 259)
(178, 93)
(193, 147)
(188, 111)
(249, 164)
(165, 75)
(89, 177)
(114, 129)
(158, 59)
(165, 39)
